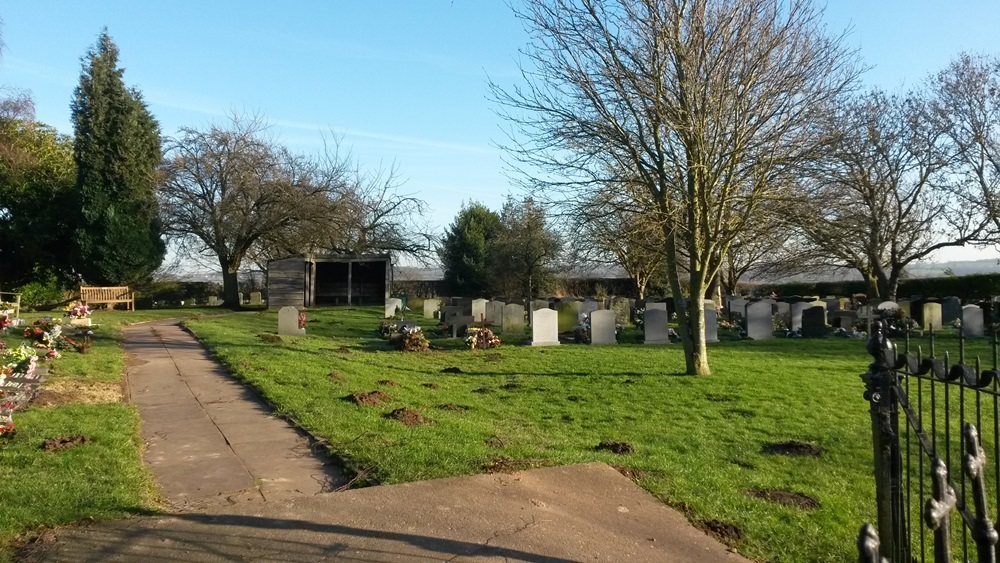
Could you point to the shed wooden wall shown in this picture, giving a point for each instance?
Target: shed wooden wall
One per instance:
(286, 283)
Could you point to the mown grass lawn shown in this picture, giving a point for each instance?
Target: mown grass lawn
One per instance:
(698, 440)
(103, 478)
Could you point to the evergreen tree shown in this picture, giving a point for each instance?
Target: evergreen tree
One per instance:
(465, 251)
(117, 237)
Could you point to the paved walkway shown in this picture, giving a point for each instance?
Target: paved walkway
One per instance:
(243, 485)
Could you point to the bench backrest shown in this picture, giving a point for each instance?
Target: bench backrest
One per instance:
(98, 294)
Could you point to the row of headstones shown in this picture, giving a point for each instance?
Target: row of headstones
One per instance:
(931, 315)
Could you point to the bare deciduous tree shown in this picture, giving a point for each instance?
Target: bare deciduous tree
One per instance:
(881, 198)
(708, 104)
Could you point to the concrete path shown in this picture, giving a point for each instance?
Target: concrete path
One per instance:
(245, 486)
(208, 438)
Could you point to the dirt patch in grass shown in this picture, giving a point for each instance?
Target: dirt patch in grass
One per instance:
(407, 416)
(633, 474)
(58, 392)
(269, 338)
(620, 448)
(507, 465)
(792, 448)
(493, 357)
(344, 350)
(628, 382)
(787, 498)
(738, 413)
(743, 464)
(369, 399)
(64, 443)
(511, 386)
(574, 399)
(482, 390)
(336, 376)
(388, 383)
(722, 531)
(430, 385)
(452, 369)
(452, 407)
(720, 397)
(496, 442)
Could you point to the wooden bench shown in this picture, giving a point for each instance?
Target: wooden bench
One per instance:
(108, 296)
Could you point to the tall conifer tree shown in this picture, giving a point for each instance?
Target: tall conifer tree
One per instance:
(117, 149)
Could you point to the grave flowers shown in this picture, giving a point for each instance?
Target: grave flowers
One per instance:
(78, 310)
(414, 340)
(302, 321)
(482, 339)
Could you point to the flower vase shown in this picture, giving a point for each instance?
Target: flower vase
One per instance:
(85, 321)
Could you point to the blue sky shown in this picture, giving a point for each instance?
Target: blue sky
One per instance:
(402, 82)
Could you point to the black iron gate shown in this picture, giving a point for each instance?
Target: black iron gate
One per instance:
(934, 485)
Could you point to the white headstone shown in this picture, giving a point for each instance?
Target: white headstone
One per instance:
(256, 298)
(545, 328)
(479, 309)
(288, 322)
(391, 304)
(972, 322)
(602, 327)
(431, 306)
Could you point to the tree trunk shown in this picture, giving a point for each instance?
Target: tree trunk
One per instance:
(690, 324)
(230, 285)
(640, 287)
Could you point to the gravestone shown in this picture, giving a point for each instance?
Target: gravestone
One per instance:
(951, 310)
(239, 298)
(602, 327)
(391, 304)
(782, 309)
(757, 320)
(621, 307)
(478, 308)
(867, 313)
(654, 327)
(465, 303)
(460, 325)
(545, 328)
(972, 322)
(535, 305)
(904, 308)
(288, 322)
(494, 312)
(513, 320)
(737, 306)
(657, 306)
(451, 311)
(711, 324)
(587, 307)
(888, 306)
(431, 307)
(256, 298)
(814, 322)
(213, 301)
(568, 314)
(796, 314)
(845, 319)
(931, 316)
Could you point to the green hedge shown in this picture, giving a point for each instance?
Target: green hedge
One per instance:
(969, 287)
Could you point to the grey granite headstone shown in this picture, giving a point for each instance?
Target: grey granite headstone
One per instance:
(288, 322)
(814, 322)
(844, 319)
(391, 304)
(758, 321)
(737, 306)
(465, 303)
(545, 328)
(951, 310)
(568, 315)
(451, 311)
(602, 327)
(656, 306)
(796, 314)
(256, 298)
(587, 307)
(513, 320)
(460, 325)
(654, 327)
(494, 312)
(972, 322)
(431, 306)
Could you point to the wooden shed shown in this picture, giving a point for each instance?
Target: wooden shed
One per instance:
(318, 280)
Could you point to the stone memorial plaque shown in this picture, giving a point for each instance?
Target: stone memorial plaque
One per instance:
(602, 327)
(545, 328)
(288, 322)
(758, 321)
(654, 327)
